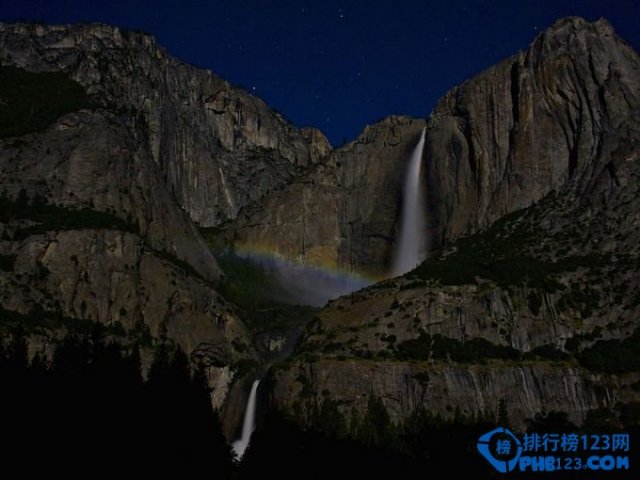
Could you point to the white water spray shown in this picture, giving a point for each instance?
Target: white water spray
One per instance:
(240, 445)
(412, 244)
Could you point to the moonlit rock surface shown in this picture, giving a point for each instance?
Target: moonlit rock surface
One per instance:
(411, 245)
(240, 445)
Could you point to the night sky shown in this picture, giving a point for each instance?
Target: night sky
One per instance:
(338, 65)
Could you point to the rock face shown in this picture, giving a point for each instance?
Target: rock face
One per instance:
(144, 276)
(341, 213)
(218, 148)
(537, 309)
(526, 126)
(99, 160)
(113, 277)
(166, 145)
(407, 387)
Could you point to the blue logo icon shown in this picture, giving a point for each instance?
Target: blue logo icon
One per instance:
(501, 448)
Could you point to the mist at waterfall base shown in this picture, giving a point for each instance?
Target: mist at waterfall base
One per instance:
(248, 424)
(304, 284)
(411, 246)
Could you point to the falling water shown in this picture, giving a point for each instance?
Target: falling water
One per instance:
(411, 246)
(240, 445)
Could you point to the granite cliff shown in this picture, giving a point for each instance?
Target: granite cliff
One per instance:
(110, 151)
(529, 303)
(527, 126)
(90, 234)
(217, 147)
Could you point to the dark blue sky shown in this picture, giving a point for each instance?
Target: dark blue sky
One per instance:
(338, 65)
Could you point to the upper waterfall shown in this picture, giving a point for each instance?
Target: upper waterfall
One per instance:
(411, 246)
